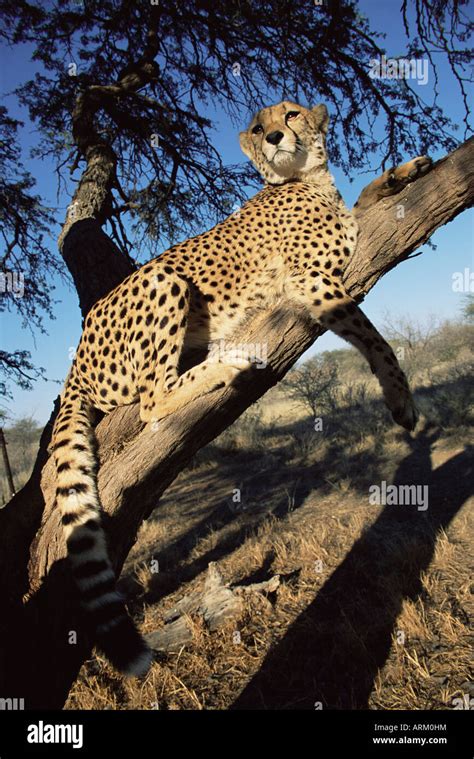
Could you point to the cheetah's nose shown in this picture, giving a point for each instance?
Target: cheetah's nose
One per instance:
(274, 137)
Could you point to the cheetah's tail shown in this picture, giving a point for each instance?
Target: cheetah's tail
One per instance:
(78, 499)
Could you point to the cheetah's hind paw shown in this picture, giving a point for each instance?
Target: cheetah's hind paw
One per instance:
(406, 415)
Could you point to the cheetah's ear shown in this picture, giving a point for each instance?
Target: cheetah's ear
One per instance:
(245, 144)
(321, 117)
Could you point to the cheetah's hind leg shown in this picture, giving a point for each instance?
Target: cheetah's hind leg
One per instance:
(156, 346)
(156, 350)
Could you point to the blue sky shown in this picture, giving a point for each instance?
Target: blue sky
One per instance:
(420, 288)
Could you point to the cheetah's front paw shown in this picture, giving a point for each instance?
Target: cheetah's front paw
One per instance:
(406, 173)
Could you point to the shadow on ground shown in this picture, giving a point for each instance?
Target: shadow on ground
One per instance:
(317, 660)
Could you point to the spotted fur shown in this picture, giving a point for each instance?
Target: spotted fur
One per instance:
(291, 241)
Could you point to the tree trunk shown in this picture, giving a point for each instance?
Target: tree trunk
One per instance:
(137, 464)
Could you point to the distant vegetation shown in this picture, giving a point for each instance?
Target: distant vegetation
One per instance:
(22, 438)
(337, 390)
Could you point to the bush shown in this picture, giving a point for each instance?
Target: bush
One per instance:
(450, 403)
(314, 384)
(247, 432)
(22, 440)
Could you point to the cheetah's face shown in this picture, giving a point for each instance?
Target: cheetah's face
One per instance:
(286, 141)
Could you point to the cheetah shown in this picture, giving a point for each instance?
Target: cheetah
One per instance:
(290, 242)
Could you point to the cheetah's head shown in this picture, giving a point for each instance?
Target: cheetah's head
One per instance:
(287, 141)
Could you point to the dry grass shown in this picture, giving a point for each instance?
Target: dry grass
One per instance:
(371, 612)
(433, 666)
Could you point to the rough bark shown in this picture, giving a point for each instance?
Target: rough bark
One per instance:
(138, 464)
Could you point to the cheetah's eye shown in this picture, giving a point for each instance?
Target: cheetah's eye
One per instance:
(291, 115)
(258, 128)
